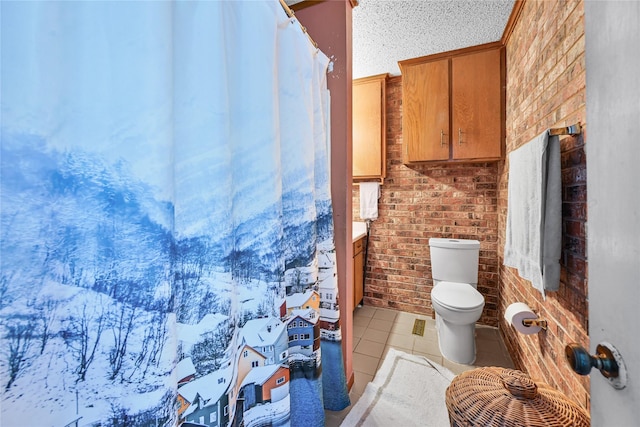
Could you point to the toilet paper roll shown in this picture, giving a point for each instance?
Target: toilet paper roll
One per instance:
(516, 313)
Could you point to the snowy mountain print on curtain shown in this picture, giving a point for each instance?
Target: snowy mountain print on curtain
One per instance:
(166, 242)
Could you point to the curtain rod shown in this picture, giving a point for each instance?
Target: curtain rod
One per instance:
(570, 130)
(291, 14)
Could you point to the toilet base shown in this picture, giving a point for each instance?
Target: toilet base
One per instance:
(457, 343)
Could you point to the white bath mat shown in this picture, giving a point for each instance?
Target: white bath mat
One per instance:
(407, 390)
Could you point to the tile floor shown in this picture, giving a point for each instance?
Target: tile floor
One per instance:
(375, 330)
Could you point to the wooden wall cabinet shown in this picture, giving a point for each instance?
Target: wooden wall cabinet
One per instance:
(369, 128)
(358, 271)
(453, 106)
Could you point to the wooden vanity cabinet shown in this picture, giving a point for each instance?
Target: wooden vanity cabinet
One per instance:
(453, 106)
(369, 128)
(358, 271)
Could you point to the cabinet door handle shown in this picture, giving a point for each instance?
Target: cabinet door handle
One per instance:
(441, 138)
(459, 136)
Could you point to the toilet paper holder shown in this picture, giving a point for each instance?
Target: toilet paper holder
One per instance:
(524, 319)
(541, 323)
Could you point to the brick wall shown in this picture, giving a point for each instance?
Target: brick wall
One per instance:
(420, 202)
(546, 88)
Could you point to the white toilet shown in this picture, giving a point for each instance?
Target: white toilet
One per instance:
(455, 299)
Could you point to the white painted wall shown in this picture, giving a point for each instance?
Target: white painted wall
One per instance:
(613, 176)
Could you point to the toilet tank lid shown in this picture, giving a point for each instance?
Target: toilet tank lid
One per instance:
(454, 243)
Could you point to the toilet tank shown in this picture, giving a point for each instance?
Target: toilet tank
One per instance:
(454, 260)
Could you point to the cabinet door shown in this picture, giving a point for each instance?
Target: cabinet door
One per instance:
(358, 272)
(476, 105)
(425, 111)
(368, 127)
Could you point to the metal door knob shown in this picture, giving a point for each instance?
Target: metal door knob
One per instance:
(581, 361)
(607, 359)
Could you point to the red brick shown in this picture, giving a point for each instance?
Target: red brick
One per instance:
(557, 96)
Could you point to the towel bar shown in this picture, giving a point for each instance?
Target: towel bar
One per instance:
(569, 130)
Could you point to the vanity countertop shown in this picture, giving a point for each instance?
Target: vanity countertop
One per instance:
(359, 230)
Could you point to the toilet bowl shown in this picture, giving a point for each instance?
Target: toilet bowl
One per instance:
(455, 299)
(458, 307)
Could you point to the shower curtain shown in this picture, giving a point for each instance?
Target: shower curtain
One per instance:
(167, 249)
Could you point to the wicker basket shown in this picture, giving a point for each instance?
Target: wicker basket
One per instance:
(505, 397)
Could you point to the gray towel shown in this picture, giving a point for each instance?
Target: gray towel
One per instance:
(534, 218)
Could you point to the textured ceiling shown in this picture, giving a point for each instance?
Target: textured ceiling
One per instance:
(388, 31)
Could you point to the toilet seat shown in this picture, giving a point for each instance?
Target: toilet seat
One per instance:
(456, 296)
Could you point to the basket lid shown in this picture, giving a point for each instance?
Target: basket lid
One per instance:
(506, 397)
